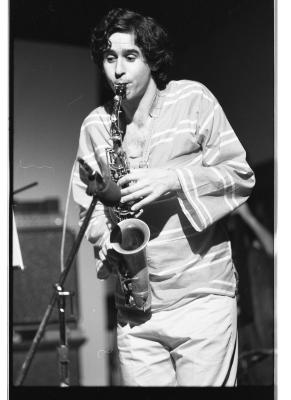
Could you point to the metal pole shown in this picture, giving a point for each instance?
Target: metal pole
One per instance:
(63, 349)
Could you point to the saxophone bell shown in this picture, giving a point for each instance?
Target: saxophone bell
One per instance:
(129, 238)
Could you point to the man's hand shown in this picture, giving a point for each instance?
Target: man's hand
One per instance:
(147, 184)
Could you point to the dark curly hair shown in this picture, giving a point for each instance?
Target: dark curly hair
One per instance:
(149, 37)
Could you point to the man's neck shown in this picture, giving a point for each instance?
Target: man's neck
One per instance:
(137, 113)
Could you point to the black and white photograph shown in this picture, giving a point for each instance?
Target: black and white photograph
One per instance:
(142, 213)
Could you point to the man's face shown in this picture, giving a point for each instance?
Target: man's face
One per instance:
(125, 63)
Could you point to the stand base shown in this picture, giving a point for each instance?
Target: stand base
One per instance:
(44, 370)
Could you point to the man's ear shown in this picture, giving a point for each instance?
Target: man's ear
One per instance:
(153, 68)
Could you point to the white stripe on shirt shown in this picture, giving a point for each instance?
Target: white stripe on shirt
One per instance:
(226, 142)
(224, 283)
(167, 103)
(177, 92)
(225, 133)
(190, 200)
(208, 118)
(191, 175)
(217, 172)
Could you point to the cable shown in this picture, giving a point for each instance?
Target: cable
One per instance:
(65, 219)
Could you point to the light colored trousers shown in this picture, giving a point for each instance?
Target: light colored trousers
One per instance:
(193, 345)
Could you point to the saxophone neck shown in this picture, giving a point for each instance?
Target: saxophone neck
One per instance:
(120, 90)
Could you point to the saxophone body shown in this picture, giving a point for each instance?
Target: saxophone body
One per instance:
(130, 236)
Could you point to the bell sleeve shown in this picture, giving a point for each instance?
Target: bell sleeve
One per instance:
(221, 180)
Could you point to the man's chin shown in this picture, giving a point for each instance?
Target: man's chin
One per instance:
(132, 96)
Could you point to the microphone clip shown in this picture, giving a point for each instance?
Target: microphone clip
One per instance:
(105, 189)
(92, 179)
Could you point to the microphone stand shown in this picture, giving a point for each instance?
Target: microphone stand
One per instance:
(25, 188)
(63, 349)
(57, 292)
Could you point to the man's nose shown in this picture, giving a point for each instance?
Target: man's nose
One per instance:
(119, 68)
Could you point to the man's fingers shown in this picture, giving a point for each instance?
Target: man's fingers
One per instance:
(132, 188)
(136, 195)
(145, 201)
(126, 179)
(133, 176)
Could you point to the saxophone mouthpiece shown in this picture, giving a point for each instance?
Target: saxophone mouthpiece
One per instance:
(120, 89)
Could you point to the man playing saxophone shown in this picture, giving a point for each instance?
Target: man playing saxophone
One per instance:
(187, 170)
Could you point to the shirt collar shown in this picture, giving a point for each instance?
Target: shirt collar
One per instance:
(157, 104)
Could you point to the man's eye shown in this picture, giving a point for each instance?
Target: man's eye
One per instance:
(110, 59)
(131, 58)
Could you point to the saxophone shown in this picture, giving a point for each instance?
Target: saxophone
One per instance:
(130, 236)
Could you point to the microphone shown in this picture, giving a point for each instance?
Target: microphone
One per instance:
(107, 191)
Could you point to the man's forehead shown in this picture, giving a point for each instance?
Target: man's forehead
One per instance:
(123, 39)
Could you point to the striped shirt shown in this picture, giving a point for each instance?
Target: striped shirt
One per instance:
(189, 253)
